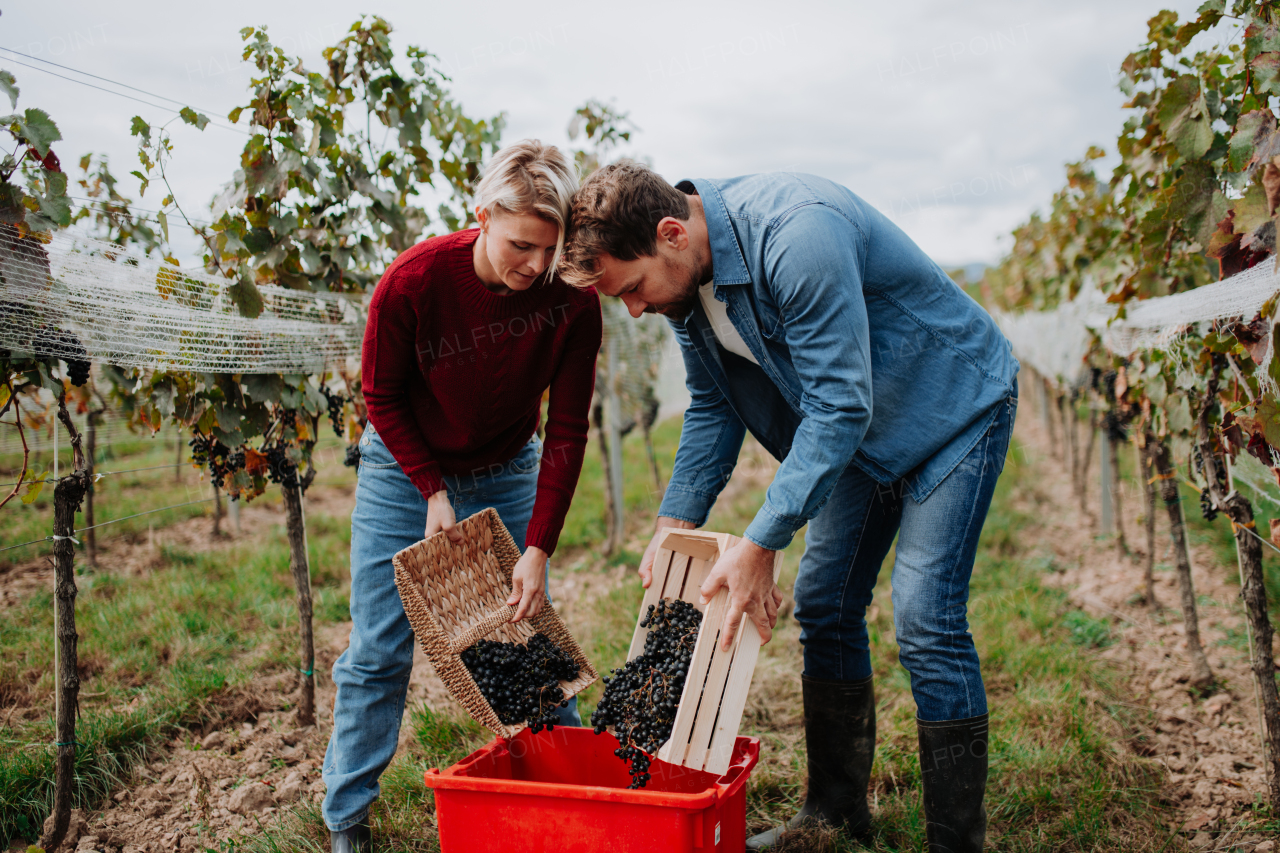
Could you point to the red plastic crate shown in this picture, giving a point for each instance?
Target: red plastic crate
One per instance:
(565, 791)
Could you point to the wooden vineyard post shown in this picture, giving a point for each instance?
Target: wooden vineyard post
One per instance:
(1149, 491)
(1117, 495)
(1253, 591)
(1201, 674)
(1105, 461)
(299, 566)
(1086, 459)
(90, 540)
(715, 692)
(67, 496)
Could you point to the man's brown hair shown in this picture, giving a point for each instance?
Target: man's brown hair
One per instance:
(616, 212)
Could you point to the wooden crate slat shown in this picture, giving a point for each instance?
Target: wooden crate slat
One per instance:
(661, 567)
(713, 691)
(699, 666)
(695, 543)
(734, 700)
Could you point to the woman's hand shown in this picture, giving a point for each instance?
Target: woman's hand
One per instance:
(440, 517)
(528, 580)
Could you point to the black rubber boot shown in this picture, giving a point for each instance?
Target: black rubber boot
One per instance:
(840, 736)
(353, 839)
(953, 761)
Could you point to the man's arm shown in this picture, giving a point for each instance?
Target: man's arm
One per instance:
(814, 265)
(814, 269)
(710, 439)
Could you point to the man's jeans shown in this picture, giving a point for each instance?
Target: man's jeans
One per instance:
(372, 675)
(937, 543)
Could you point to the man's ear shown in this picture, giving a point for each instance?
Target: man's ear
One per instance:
(673, 232)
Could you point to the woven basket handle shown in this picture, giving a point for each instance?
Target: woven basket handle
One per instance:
(483, 628)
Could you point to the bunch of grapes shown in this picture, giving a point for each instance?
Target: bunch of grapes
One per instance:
(336, 403)
(280, 468)
(522, 681)
(1207, 508)
(70, 350)
(352, 459)
(640, 699)
(208, 452)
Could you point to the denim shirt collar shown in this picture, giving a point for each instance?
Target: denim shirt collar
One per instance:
(728, 264)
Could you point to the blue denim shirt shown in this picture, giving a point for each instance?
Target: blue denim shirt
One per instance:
(869, 354)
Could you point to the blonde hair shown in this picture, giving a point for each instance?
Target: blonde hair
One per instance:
(529, 177)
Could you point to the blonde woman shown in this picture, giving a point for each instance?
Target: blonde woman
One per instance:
(465, 332)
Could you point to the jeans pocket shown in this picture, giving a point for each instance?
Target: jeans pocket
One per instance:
(529, 459)
(374, 454)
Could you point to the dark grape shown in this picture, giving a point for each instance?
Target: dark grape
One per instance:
(522, 681)
(352, 459)
(70, 350)
(640, 699)
(1207, 508)
(210, 453)
(336, 403)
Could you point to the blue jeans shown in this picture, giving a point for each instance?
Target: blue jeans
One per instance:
(937, 543)
(372, 675)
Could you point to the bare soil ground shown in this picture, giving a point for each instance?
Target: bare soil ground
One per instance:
(1210, 744)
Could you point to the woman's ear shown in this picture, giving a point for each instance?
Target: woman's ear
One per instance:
(482, 217)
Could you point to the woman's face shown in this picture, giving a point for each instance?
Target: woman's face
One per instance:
(516, 250)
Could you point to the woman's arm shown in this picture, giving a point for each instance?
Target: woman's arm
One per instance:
(566, 433)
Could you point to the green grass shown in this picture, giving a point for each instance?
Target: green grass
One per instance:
(173, 648)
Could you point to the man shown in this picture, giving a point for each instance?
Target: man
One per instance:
(888, 395)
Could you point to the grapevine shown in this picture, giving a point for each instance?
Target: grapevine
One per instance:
(640, 699)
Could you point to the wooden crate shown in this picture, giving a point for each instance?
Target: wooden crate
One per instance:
(715, 692)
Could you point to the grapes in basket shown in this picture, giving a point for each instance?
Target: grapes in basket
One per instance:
(640, 699)
(522, 681)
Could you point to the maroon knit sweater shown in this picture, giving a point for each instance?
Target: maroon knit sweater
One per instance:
(453, 374)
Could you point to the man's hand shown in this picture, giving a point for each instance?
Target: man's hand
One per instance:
(747, 570)
(528, 579)
(646, 562)
(440, 517)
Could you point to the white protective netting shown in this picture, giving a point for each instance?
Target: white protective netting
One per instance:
(1158, 324)
(77, 297)
(1055, 343)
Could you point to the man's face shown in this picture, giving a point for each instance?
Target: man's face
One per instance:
(665, 283)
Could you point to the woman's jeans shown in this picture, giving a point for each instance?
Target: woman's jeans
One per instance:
(937, 543)
(372, 675)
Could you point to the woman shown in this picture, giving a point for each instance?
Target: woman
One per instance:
(465, 332)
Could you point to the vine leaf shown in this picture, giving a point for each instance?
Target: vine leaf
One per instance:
(1254, 133)
(190, 116)
(35, 128)
(9, 85)
(1197, 202)
(1185, 118)
(245, 295)
(255, 463)
(1266, 72)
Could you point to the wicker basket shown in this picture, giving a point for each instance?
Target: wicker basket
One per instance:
(455, 593)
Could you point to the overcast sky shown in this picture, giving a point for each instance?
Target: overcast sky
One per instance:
(954, 119)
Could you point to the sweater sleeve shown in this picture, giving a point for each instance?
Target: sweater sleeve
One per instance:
(566, 434)
(389, 363)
